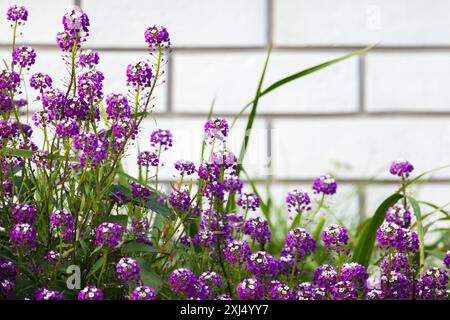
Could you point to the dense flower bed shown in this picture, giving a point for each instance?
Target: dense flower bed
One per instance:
(74, 225)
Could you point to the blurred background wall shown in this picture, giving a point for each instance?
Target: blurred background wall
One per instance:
(350, 120)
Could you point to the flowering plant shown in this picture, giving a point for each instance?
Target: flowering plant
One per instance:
(74, 225)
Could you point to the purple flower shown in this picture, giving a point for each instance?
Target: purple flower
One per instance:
(24, 56)
(374, 294)
(298, 201)
(54, 258)
(117, 106)
(128, 269)
(308, 291)
(391, 235)
(248, 201)
(23, 213)
(46, 294)
(5, 102)
(434, 277)
(63, 224)
(140, 228)
(237, 251)
(399, 215)
(224, 158)
(7, 288)
(423, 292)
(67, 128)
(23, 237)
(139, 75)
(324, 184)
(180, 199)
(9, 80)
(344, 290)
(325, 276)
(301, 241)
(281, 291)
(262, 263)
(447, 259)
(224, 297)
(183, 281)
(396, 286)
(140, 192)
(39, 158)
(91, 293)
(161, 139)
(76, 21)
(66, 40)
(125, 127)
(250, 289)
(119, 198)
(108, 234)
(8, 269)
(40, 81)
(211, 279)
(401, 168)
(90, 85)
(17, 14)
(185, 168)
(157, 36)
(216, 129)
(143, 293)
(258, 229)
(356, 274)
(396, 261)
(88, 58)
(148, 159)
(335, 238)
(53, 99)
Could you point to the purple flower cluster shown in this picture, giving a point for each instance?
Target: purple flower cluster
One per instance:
(24, 56)
(325, 276)
(250, 289)
(157, 36)
(248, 201)
(401, 168)
(262, 263)
(143, 293)
(117, 106)
(17, 14)
(109, 234)
(324, 184)
(23, 213)
(355, 274)
(185, 168)
(447, 259)
(258, 229)
(281, 291)
(148, 159)
(216, 129)
(396, 286)
(88, 58)
(299, 244)
(46, 294)
(183, 281)
(335, 238)
(161, 139)
(139, 75)
(391, 235)
(76, 24)
(180, 200)
(53, 258)
(62, 224)
(400, 215)
(309, 291)
(91, 293)
(40, 81)
(298, 201)
(344, 290)
(237, 251)
(128, 269)
(9, 80)
(23, 238)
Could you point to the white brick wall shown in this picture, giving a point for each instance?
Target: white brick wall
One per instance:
(351, 119)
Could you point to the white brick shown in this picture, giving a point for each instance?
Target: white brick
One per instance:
(187, 143)
(44, 20)
(359, 22)
(362, 147)
(117, 23)
(114, 64)
(408, 81)
(233, 77)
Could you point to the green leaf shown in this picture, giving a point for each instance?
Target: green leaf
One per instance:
(252, 115)
(134, 246)
(416, 208)
(97, 265)
(148, 275)
(118, 218)
(158, 207)
(300, 74)
(366, 240)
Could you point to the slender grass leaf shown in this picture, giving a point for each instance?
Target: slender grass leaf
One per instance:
(133, 247)
(364, 247)
(416, 208)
